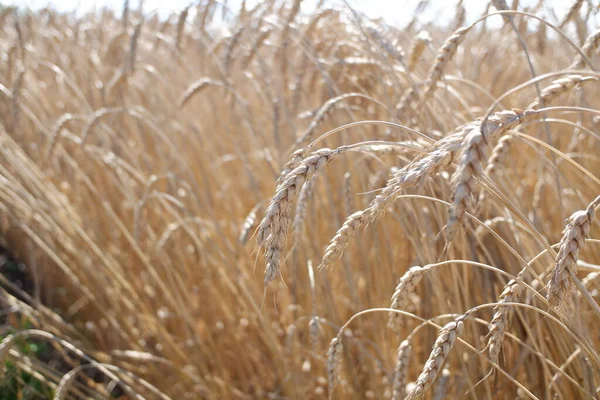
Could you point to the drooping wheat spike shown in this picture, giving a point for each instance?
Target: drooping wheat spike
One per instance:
(460, 15)
(272, 231)
(348, 193)
(263, 35)
(414, 174)
(472, 158)
(574, 235)
(499, 155)
(180, 30)
(249, 224)
(558, 87)
(409, 97)
(417, 48)
(501, 5)
(314, 327)
(5, 347)
(463, 180)
(339, 242)
(334, 362)
(443, 344)
(320, 116)
(501, 319)
(54, 134)
(133, 45)
(195, 88)
(401, 370)
(445, 55)
(570, 13)
(406, 286)
(541, 38)
(591, 44)
(66, 382)
(437, 157)
(293, 162)
(301, 207)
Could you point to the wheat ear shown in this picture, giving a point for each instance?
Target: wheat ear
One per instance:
(406, 286)
(441, 348)
(574, 235)
(445, 55)
(334, 362)
(501, 319)
(401, 370)
(272, 231)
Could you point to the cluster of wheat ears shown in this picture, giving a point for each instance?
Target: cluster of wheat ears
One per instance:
(422, 200)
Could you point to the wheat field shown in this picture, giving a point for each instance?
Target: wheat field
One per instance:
(282, 201)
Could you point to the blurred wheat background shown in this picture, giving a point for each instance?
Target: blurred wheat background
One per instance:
(269, 201)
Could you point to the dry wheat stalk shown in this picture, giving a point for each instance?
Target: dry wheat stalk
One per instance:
(443, 344)
(406, 286)
(401, 370)
(501, 319)
(574, 235)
